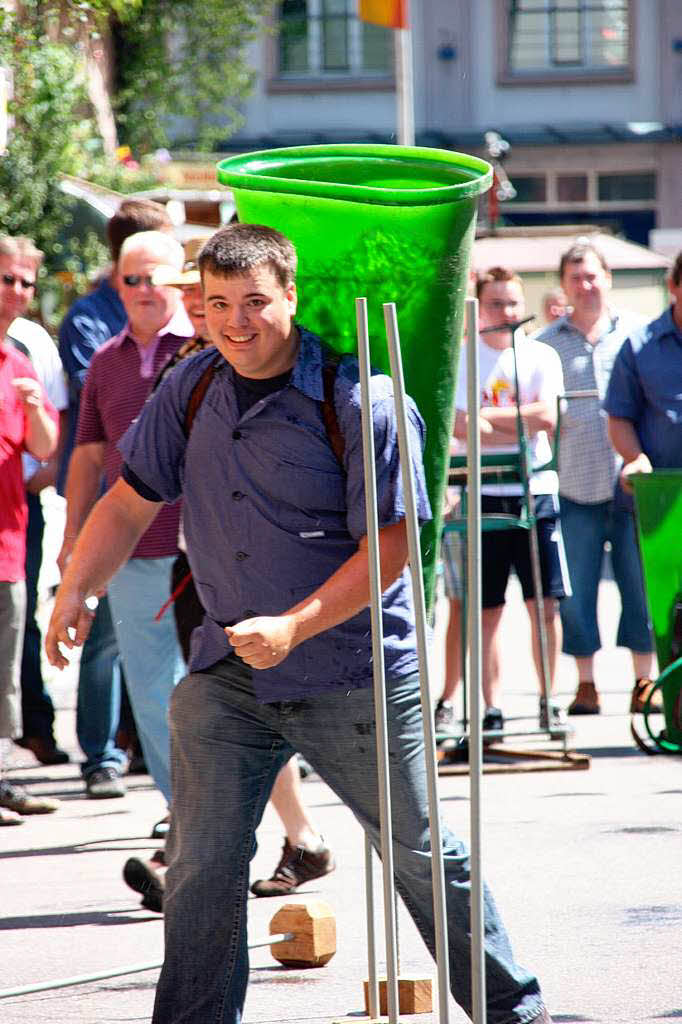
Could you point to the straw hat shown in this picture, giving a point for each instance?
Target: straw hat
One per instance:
(166, 275)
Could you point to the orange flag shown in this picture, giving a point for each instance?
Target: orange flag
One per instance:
(390, 13)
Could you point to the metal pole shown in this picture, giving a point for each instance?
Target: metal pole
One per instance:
(119, 972)
(372, 979)
(404, 84)
(438, 871)
(474, 621)
(378, 658)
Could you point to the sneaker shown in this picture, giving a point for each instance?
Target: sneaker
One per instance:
(493, 720)
(142, 876)
(296, 866)
(444, 718)
(44, 749)
(104, 784)
(161, 829)
(556, 716)
(16, 798)
(586, 700)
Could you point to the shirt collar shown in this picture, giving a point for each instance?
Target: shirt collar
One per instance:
(307, 371)
(666, 325)
(179, 325)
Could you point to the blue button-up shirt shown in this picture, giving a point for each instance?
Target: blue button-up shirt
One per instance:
(270, 515)
(646, 388)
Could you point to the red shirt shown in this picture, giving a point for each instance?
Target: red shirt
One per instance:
(13, 428)
(116, 388)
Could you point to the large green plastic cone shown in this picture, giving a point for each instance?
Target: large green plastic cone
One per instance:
(390, 223)
(658, 500)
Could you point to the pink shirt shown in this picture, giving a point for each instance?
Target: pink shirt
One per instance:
(13, 428)
(116, 387)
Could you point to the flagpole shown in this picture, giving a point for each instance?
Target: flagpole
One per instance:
(404, 83)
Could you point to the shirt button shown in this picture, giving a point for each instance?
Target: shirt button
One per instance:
(241, 555)
(237, 495)
(236, 434)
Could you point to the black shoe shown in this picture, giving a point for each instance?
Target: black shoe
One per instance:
(304, 768)
(142, 877)
(444, 717)
(296, 866)
(493, 721)
(44, 749)
(104, 784)
(160, 830)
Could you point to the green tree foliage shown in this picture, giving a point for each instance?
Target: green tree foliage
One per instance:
(184, 59)
(180, 58)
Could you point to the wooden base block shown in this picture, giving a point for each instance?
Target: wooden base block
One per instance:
(314, 928)
(414, 995)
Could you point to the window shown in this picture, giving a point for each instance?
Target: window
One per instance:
(626, 187)
(530, 188)
(567, 38)
(571, 188)
(325, 38)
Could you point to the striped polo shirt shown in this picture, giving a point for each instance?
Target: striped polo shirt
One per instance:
(118, 383)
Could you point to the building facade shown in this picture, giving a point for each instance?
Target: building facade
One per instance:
(587, 92)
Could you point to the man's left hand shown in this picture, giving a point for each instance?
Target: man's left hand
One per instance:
(264, 641)
(640, 464)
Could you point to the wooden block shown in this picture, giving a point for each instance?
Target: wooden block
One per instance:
(314, 927)
(414, 995)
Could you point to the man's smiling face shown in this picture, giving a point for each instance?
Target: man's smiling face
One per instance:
(249, 320)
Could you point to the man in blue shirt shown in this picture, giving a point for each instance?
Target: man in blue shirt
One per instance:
(644, 397)
(275, 529)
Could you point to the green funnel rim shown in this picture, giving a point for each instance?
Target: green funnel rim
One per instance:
(250, 172)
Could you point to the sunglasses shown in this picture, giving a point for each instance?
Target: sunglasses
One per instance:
(134, 280)
(11, 280)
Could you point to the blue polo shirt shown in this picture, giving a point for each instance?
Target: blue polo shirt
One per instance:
(646, 388)
(269, 514)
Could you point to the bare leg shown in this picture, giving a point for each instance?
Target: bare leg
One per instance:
(550, 609)
(490, 642)
(453, 650)
(585, 668)
(643, 663)
(288, 802)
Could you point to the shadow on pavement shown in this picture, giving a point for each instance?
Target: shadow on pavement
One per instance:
(92, 846)
(610, 751)
(102, 917)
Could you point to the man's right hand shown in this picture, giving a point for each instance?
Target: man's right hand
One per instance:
(640, 464)
(69, 625)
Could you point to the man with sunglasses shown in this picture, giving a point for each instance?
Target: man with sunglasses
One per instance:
(119, 380)
(28, 423)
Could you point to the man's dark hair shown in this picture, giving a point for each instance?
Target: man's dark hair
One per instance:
(495, 274)
(577, 253)
(238, 248)
(676, 271)
(135, 215)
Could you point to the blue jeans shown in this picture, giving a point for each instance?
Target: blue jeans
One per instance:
(151, 655)
(229, 748)
(99, 695)
(586, 528)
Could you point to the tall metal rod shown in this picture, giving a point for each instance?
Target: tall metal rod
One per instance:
(474, 680)
(438, 871)
(372, 978)
(378, 658)
(518, 337)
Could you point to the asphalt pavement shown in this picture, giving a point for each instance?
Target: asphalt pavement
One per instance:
(584, 865)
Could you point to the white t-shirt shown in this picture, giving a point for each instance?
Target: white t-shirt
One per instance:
(35, 342)
(540, 380)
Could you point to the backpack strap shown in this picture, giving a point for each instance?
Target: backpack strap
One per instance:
(198, 394)
(336, 439)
